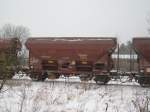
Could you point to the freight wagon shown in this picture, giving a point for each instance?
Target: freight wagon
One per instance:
(142, 48)
(86, 57)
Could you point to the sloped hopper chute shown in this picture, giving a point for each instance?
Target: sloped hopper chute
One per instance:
(142, 47)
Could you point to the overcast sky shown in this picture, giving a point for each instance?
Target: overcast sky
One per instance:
(122, 18)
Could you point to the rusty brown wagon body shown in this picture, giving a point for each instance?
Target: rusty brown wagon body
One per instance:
(141, 46)
(83, 56)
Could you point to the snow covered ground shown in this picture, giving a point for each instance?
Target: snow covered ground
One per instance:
(31, 96)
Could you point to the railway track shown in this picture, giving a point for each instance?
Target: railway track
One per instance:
(18, 82)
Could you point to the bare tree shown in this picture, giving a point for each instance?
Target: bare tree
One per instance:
(20, 32)
(11, 31)
(9, 57)
(125, 48)
(148, 21)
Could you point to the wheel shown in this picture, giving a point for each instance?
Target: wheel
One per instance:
(53, 75)
(144, 81)
(86, 77)
(44, 76)
(35, 76)
(101, 79)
